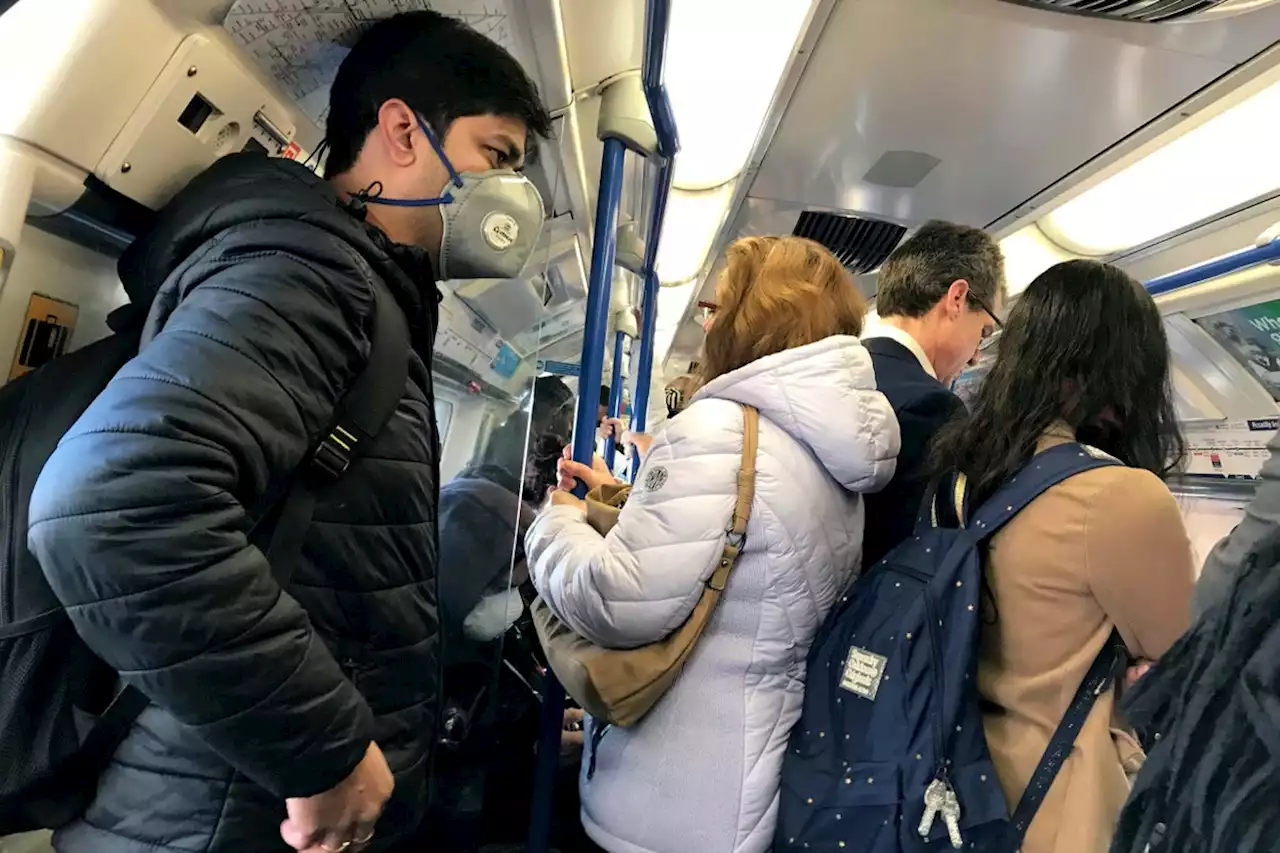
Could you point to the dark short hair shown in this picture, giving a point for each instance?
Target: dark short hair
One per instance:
(437, 65)
(920, 271)
(1084, 345)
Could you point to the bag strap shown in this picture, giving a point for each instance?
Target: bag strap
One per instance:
(1098, 680)
(737, 533)
(363, 411)
(1043, 472)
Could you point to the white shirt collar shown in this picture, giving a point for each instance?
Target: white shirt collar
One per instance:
(876, 328)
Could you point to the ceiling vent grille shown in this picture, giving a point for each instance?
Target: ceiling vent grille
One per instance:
(860, 244)
(1149, 11)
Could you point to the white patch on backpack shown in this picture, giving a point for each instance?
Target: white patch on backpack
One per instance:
(863, 672)
(1098, 454)
(655, 479)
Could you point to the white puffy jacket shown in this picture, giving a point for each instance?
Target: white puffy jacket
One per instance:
(700, 773)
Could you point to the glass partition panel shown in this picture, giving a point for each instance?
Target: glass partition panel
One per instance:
(507, 427)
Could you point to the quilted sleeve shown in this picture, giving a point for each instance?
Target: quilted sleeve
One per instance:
(139, 521)
(642, 581)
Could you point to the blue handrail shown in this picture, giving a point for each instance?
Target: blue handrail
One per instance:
(1229, 264)
(657, 16)
(615, 395)
(599, 283)
(657, 19)
(600, 280)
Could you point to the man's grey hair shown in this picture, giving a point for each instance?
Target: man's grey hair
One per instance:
(919, 272)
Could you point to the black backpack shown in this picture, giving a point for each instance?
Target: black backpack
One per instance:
(61, 712)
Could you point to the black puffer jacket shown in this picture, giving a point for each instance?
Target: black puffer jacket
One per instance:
(260, 322)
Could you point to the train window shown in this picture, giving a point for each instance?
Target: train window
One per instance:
(444, 414)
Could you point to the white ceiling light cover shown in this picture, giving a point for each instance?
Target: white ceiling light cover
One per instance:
(688, 229)
(724, 61)
(1027, 253)
(1226, 161)
(672, 302)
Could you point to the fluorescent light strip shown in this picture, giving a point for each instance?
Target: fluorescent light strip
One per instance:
(689, 227)
(724, 61)
(1027, 253)
(1224, 162)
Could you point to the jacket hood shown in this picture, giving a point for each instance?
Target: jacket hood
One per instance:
(244, 188)
(824, 396)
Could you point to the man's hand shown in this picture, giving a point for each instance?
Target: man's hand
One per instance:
(571, 739)
(343, 817)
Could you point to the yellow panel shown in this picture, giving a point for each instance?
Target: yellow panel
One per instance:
(46, 329)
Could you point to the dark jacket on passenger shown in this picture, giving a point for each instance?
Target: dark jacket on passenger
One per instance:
(1209, 711)
(1257, 532)
(922, 405)
(262, 312)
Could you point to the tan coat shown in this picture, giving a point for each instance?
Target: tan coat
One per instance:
(1104, 549)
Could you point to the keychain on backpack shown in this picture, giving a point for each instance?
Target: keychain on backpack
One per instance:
(940, 799)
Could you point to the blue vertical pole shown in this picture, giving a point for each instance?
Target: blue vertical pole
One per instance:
(644, 370)
(615, 396)
(584, 446)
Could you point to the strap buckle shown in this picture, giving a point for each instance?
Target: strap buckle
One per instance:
(333, 455)
(735, 539)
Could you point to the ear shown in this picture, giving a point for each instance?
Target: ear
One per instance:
(957, 297)
(396, 126)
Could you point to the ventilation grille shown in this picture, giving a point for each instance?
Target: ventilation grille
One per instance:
(1147, 11)
(860, 244)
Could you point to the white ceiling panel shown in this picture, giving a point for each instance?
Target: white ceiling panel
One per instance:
(1008, 99)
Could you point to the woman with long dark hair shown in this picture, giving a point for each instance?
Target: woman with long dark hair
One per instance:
(1083, 357)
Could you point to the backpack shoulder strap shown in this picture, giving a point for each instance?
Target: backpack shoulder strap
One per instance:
(1098, 680)
(746, 494)
(1043, 472)
(365, 408)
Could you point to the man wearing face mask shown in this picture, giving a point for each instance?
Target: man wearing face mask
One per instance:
(308, 703)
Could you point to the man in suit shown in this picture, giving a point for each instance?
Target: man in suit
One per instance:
(937, 299)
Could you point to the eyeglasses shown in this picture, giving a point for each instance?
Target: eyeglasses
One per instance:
(995, 325)
(706, 310)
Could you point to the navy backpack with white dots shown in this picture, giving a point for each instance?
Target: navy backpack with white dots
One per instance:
(889, 755)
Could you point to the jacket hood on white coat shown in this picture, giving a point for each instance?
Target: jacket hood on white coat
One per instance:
(824, 396)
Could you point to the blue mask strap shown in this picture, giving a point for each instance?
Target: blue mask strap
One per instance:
(372, 194)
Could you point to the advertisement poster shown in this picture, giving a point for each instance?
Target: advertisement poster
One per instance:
(1252, 336)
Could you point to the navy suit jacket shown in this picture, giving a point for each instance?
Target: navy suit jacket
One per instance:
(922, 405)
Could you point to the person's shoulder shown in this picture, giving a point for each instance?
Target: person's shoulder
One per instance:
(705, 424)
(904, 380)
(1127, 499)
(285, 263)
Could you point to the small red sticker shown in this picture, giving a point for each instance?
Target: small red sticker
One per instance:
(291, 151)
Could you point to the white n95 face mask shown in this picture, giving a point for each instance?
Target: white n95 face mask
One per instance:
(492, 220)
(492, 225)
